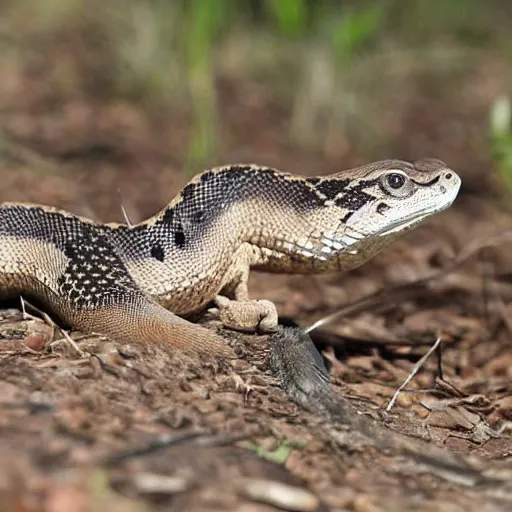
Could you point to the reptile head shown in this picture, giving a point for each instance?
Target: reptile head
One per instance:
(399, 195)
(383, 200)
(362, 210)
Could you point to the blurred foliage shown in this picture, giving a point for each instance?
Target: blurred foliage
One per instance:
(318, 55)
(290, 16)
(204, 21)
(501, 136)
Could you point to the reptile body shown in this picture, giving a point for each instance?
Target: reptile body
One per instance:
(131, 282)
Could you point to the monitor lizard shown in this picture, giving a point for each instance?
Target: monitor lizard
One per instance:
(134, 283)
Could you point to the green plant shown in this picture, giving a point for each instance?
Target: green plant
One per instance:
(203, 22)
(501, 138)
(321, 59)
(147, 66)
(290, 16)
(280, 454)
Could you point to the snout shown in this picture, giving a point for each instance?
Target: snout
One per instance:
(449, 183)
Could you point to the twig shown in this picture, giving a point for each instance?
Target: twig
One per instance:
(439, 353)
(334, 340)
(152, 446)
(71, 342)
(51, 323)
(201, 438)
(414, 371)
(406, 289)
(125, 214)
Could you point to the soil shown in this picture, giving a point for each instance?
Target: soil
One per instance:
(118, 427)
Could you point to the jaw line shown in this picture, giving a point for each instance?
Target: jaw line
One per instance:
(414, 219)
(407, 222)
(399, 226)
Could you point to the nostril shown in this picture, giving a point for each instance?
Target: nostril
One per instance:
(382, 207)
(448, 175)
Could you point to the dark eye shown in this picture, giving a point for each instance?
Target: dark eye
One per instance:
(397, 184)
(395, 180)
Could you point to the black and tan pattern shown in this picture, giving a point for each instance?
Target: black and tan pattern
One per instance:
(115, 278)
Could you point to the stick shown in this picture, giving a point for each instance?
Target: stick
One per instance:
(414, 371)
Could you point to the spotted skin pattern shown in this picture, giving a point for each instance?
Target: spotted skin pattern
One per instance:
(124, 281)
(94, 274)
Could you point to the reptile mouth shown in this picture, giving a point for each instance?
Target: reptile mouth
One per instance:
(413, 219)
(403, 224)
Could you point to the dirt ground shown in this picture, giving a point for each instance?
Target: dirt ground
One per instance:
(121, 428)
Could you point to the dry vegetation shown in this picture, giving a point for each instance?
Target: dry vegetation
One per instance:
(136, 95)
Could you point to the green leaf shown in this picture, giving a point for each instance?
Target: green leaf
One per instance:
(354, 29)
(279, 455)
(290, 15)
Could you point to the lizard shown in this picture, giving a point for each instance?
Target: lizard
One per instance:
(136, 283)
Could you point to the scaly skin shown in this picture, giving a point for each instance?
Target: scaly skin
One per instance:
(124, 281)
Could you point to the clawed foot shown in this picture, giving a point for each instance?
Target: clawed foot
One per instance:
(248, 316)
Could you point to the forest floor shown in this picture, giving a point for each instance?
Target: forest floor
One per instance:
(126, 428)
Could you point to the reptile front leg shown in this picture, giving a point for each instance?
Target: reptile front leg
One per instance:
(248, 316)
(239, 312)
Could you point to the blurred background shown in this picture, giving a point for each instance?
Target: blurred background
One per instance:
(110, 100)
(138, 95)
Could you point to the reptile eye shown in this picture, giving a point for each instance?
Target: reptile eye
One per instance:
(397, 184)
(395, 180)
